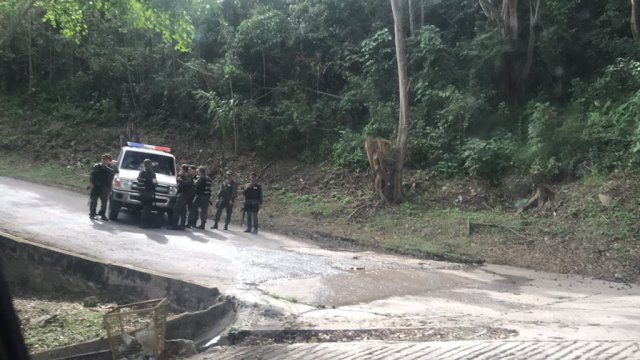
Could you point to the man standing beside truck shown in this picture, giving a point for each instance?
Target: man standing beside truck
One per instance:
(100, 184)
(200, 204)
(147, 189)
(184, 198)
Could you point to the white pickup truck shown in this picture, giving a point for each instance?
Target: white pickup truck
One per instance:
(124, 190)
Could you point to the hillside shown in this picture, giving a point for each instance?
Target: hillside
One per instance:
(576, 233)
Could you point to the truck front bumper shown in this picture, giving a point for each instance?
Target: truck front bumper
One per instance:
(131, 198)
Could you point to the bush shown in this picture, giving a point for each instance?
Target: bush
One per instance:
(489, 159)
(349, 151)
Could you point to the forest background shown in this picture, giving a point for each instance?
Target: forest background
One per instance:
(503, 95)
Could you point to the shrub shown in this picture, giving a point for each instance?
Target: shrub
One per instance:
(489, 159)
(349, 151)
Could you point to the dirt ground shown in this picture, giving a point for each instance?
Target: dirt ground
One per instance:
(255, 338)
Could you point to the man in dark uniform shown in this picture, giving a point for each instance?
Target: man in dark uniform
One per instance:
(193, 171)
(183, 199)
(226, 197)
(201, 201)
(252, 200)
(101, 176)
(147, 187)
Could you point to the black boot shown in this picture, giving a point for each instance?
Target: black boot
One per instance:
(248, 230)
(226, 226)
(200, 227)
(215, 225)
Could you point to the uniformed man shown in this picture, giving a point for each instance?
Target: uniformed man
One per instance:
(100, 184)
(183, 199)
(226, 197)
(147, 183)
(200, 205)
(193, 171)
(252, 200)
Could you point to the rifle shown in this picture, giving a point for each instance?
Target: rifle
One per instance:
(244, 212)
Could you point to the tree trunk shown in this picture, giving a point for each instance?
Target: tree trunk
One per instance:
(235, 134)
(29, 50)
(510, 18)
(264, 71)
(381, 167)
(533, 19)
(412, 28)
(635, 29)
(403, 84)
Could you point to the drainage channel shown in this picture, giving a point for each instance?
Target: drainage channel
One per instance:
(199, 313)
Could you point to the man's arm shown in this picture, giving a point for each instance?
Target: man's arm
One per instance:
(92, 176)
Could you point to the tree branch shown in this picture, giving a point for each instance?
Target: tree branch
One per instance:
(324, 93)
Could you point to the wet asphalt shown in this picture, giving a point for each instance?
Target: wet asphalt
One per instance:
(285, 282)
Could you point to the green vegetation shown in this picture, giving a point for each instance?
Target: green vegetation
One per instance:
(73, 328)
(552, 97)
(54, 173)
(57, 321)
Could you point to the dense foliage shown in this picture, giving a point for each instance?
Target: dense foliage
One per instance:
(557, 96)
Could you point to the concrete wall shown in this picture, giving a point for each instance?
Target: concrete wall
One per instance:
(205, 313)
(45, 269)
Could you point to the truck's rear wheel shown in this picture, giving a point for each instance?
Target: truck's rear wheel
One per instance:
(114, 209)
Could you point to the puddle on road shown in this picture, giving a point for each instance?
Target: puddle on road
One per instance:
(362, 286)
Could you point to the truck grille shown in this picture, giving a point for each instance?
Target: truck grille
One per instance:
(160, 189)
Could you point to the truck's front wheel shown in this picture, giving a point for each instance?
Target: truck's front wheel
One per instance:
(114, 209)
(169, 213)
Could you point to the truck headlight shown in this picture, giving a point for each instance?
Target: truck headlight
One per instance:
(173, 190)
(122, 183)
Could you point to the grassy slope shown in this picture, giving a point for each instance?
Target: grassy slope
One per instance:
(577, 234)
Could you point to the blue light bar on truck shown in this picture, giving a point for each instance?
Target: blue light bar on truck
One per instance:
(150, 147)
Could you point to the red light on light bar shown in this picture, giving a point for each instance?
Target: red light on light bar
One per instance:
(151, 147)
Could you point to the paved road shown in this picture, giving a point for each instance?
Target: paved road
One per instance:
(446, 350)
(283, 282)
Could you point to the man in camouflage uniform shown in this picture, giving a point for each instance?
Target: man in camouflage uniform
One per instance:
(200, 205)
(147, 183)
(101, 176)
(183, 199)
(252, 201)
(226, 197)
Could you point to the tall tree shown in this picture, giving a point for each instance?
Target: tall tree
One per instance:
(403, 83)
(507, 22)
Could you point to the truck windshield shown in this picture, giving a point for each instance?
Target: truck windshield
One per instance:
(133, 160)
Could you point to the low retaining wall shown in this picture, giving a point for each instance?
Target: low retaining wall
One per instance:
(46, 269)
(205, 312)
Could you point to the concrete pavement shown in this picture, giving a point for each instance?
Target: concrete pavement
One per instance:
(287, 283)
(445, 350)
